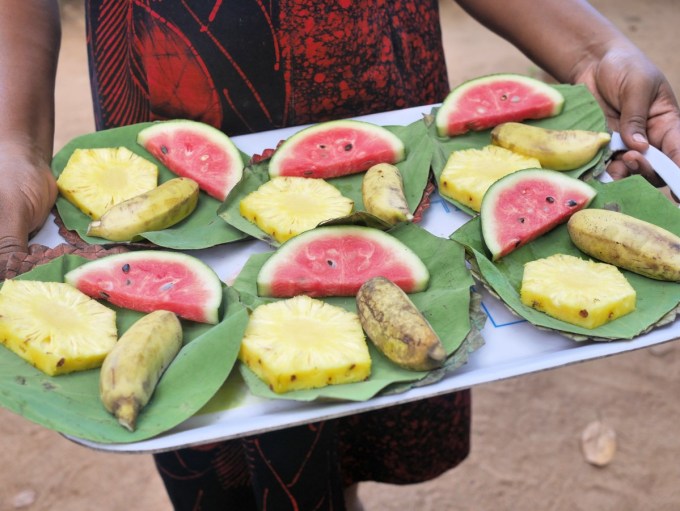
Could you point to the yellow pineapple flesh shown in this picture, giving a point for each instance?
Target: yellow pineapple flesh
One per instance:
(305, 343)
(581, 292)
(284, 207)
(54, 326)
(469, 173)
(94, 180)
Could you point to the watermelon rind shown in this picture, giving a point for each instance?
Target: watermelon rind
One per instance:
(171, 281)
(484, 120)
(209, 147)
(497, 216)
(314, 283)
(290, 160)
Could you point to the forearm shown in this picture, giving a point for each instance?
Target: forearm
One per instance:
(30, 35)
(560, 36)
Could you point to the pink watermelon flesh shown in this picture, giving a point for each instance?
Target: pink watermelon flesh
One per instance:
(336, 261)
(146, 281)
(486, 102)
(522, 206)
(198, 151)
(336, 148)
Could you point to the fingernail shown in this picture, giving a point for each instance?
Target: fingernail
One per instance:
(631, 165)
(639, 137)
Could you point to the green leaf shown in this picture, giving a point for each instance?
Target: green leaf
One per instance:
(415, 171)
(655, 299)
(70, 403)
(202, 229)
(446, 304)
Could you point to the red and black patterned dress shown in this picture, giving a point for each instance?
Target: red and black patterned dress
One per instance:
(253, 65)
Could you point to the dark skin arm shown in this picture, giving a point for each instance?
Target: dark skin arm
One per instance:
(576, 44)
(31, 30)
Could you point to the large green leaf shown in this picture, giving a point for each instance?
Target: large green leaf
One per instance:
(415, 171)
(70, 403)
(446, 304)
(656, 300)
(202, 229)
(581, 111)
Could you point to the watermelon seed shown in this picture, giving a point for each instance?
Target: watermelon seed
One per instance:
(348, 147)
(126, 268)
(322, 146)
(164, 149)
(550, 199)
(504, 97)
(516, 99)
(104, 295)
(167, 286)
(522, 220)
(331, 263)
(571, 203)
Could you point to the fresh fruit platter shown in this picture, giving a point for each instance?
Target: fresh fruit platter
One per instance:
(226, 286)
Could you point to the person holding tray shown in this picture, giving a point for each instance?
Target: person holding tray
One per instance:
(251, 66)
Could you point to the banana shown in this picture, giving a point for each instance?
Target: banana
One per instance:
(627, 242)
(396, 327)
(554, 149)
(157, 209)
(382, 191)
(131, 370)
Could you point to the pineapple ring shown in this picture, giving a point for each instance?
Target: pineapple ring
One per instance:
(284, 207)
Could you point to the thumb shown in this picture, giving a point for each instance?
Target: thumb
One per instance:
(636, 101)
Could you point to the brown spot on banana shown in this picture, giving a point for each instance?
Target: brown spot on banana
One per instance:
(396, 327)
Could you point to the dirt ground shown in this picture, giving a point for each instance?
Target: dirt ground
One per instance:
(526, 451)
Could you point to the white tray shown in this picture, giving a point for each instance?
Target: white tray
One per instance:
(513, 347)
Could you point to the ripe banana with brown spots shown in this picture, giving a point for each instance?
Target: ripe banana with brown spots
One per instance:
(627, 242)
(160, 208)
(382, 191)
(397, 328)
(554, 149)
(132, 369)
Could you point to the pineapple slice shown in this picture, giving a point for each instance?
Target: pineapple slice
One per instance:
(54, 326)
(284, 207)
(93, 180)
(469, 173)
(304, 343)
(580, 292)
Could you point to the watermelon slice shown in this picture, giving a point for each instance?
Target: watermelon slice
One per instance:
(526, 204)
(195, 150)
(150, 280)
(490, 100)
(336, 148)
(337, 260)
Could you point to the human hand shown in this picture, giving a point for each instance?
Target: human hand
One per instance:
(27, 194)
(639, 103)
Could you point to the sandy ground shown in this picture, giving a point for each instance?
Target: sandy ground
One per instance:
(526, 451)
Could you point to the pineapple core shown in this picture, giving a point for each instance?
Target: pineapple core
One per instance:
(584, 293)
(469, 173)
(55, 327)
(305, 343)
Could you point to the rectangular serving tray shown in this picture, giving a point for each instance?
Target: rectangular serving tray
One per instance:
(513, 347)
